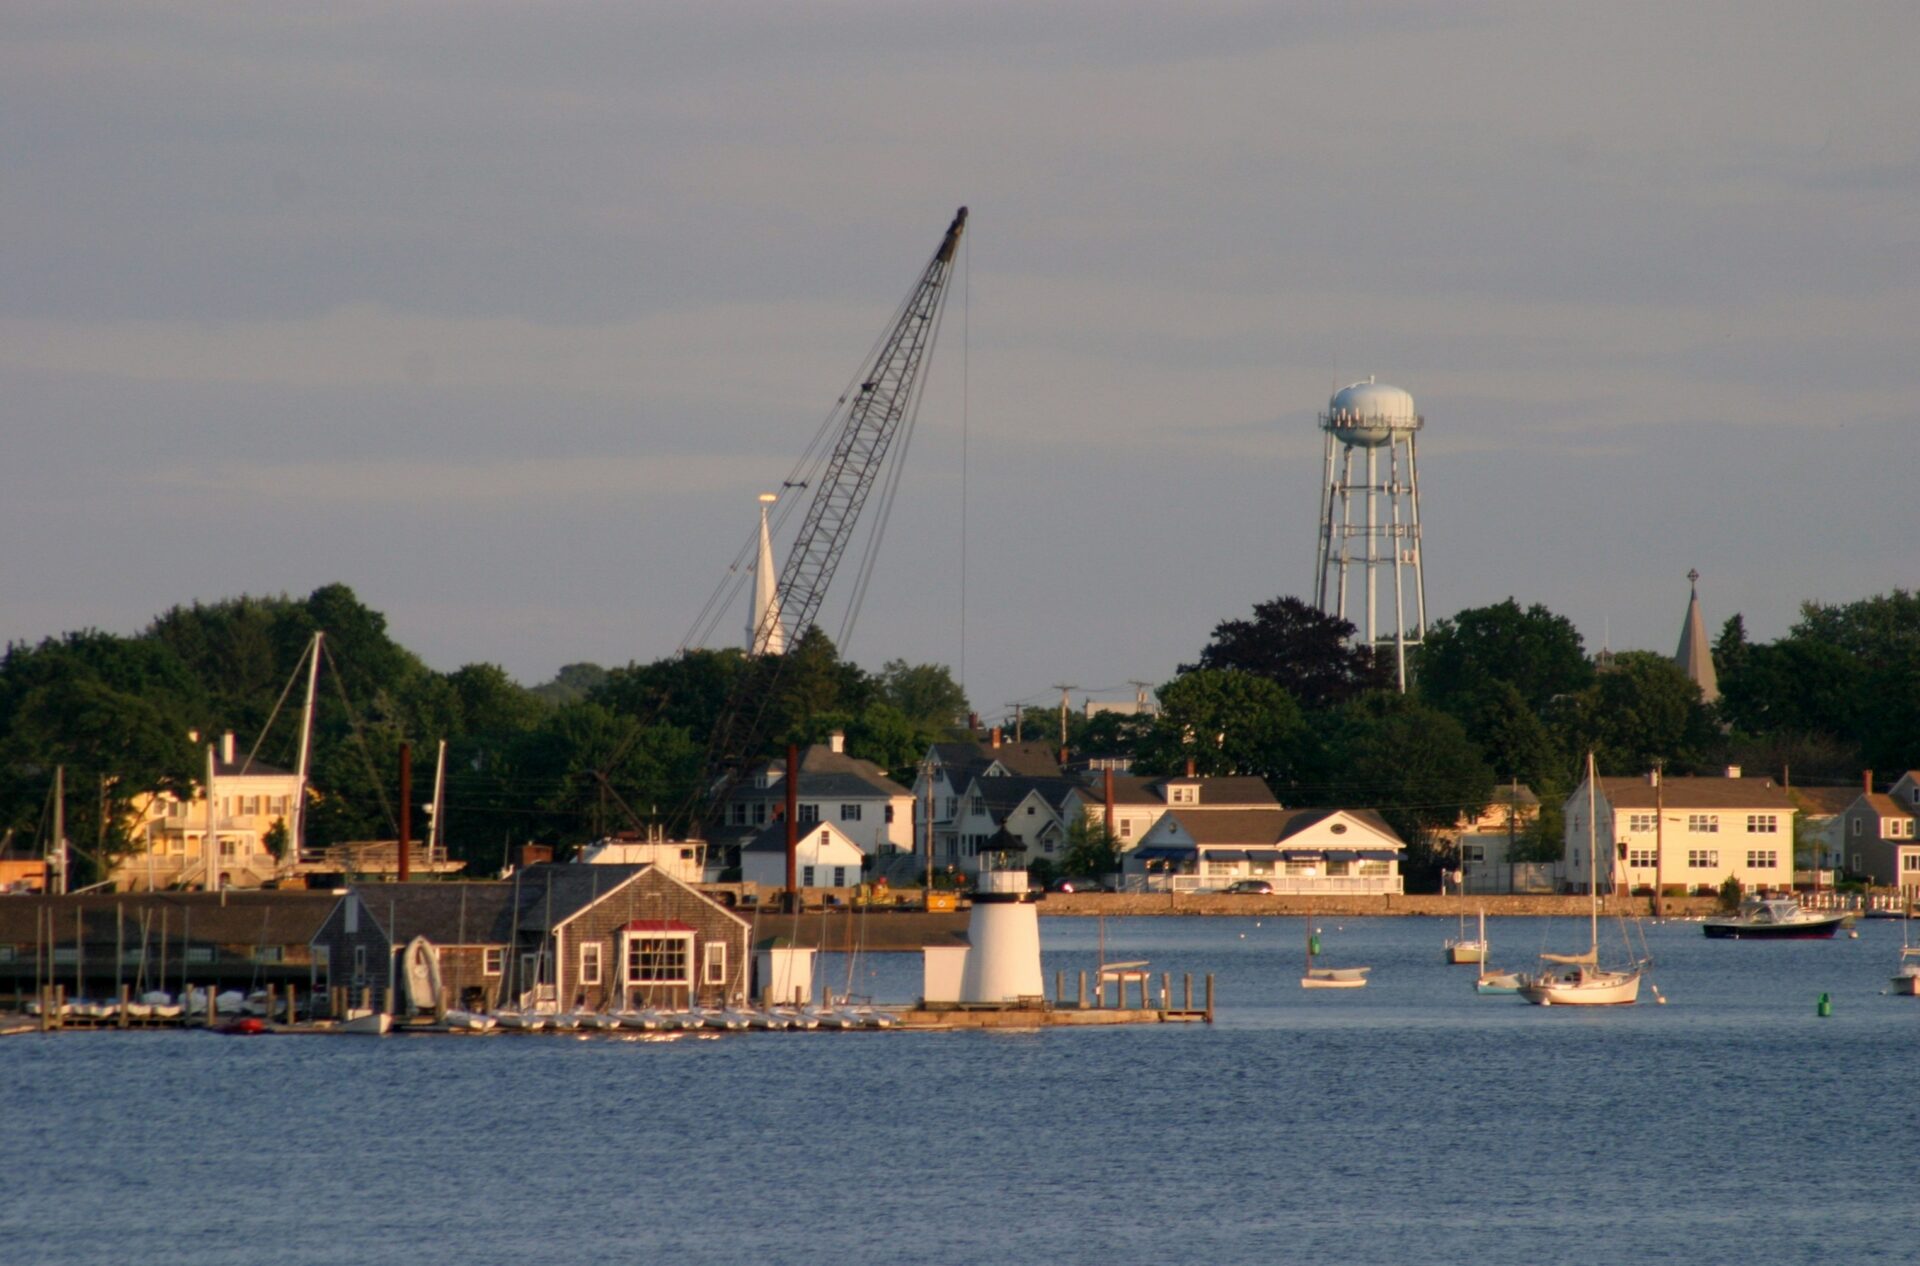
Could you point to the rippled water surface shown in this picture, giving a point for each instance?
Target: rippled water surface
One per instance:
(1411, 1121)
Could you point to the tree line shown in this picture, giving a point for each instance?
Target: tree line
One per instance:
(1500, 694)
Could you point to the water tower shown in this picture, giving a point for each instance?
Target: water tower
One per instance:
(1372, 526)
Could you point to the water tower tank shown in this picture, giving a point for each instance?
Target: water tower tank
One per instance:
(1368, 414)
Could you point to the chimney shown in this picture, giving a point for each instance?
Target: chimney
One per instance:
(535, 854)
(973, 722)
(996, 737)
(1189, 766)
(837, 741)
(1733, 771)
(226, 748)
(1868, 776)
(1653, 778)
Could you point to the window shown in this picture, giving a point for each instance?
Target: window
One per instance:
(1703, 823)
(492, 959)
(1337, 869)
(359, 966)
(1126, 828)
(1221, 868)
(226, 847)
(713, 969)
(1762, 858)
(889, 815)
(1299, 868)
(1641, 857)
(1029, 810)
(1473, 852)
(809, 814)
(760, 813)
(1763, 824)
(839, 876)
(1703, 858)
(590, 962)
(953, 807)
(1641, 822)
(658, 960)
(737, 813)
(849, 813)
(269, 954)
(1856, 831)
(806, 876)
(321, 970)
(1376, 868)
(1183, 795)
(1910, 861)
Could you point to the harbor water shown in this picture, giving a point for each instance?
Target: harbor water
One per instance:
(1410, 1121)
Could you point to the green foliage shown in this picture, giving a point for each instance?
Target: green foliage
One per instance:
(1225, 722)
(1306, 652)
(1533, 650)
(572, 683)
(925, 694)
(1412, 762)
(1090, 848)
(1730, 894)
(1645, 711)
(277, 839)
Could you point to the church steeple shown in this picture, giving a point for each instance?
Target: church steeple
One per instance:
(1695, 655)
(765, 635)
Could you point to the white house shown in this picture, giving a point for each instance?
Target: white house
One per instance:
(854, 795)
(1305, 851)
(947, 771)
(1028, 809)
(1139, 803)
(169, 834)
(824, 857)
(1690, 832)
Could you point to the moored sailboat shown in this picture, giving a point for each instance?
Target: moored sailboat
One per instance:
(1578, 980)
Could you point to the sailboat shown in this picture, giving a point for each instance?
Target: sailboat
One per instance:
(1489, 980)
(1584, 983)
(1906, 982)
(1465, 949)
(1329, 977)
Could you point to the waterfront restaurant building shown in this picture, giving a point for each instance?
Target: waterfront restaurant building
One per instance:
(1298, 851)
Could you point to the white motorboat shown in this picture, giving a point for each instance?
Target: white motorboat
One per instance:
(366, 1022)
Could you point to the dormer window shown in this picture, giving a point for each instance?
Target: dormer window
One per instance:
(1183, 795)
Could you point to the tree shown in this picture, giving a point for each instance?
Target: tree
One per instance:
(1304, 651)
(1512, 739)
(1535, 651)
(1090, 849)
(572, 682)
(925, 694)
(1225, 722)
(1645, 710)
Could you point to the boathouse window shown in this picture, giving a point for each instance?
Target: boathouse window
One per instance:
(1703, 823)
(492, 960)
(1763, 824)
(713, 964)
(1856, 828)
(849, 813)
(659, 960)
(359, 966)
(1640, 822)
(1762, 859)
(590, 962)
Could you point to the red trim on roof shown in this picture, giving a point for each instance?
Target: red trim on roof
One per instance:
(657, 925)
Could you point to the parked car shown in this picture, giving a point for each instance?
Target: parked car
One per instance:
(1080, 883)
(1259, 886)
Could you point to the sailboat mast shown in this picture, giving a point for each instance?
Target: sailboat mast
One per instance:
(439, 802)
(296, 841)
(1593, 867)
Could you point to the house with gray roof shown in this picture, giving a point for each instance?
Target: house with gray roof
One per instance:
(1693, 832)
(1880, 834)
(1298, 851)
(856, 796)
(1140, 802)
(1027, 809)
(950, 768)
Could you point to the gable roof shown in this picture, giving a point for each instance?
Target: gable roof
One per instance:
(1030, 759)
(1002, 795)
(1265, 826)
(773, 838)
(478, 912)
(1822, 802)
(1883, 805)
(1694, 793)
(825, 772)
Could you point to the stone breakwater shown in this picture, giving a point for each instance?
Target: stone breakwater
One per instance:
(1220, 903)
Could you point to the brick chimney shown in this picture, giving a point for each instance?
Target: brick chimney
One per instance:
(996, 737)
(1189, 766)
(1733, 771)
(226, 748)
(1867, 775)
(837, 741)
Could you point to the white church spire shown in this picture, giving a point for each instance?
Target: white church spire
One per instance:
(765, 635)
(1695, 655)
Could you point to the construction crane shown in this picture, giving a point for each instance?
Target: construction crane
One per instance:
(872, 416)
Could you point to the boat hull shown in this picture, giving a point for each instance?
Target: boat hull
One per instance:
(1583, 989)
(1498, 983)
(1335, 978)
(1818, 929)
(1466, 952)
(1907, 986)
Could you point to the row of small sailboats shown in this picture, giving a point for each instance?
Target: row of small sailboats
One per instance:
(832, 1016)
(158, 1004)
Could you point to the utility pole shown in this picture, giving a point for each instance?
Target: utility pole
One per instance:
(1140, 689)
(1016, 721)
(58, 848)
(1063, 713)
(1659, 842)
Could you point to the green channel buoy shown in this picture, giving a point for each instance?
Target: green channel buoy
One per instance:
(1313, 944)
(1826, 1005)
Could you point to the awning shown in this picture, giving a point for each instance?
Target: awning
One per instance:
(1342, 855)
(1300, 854)
(1378, 855)
(1263, 854)
(1226, 854)
(1164, 853)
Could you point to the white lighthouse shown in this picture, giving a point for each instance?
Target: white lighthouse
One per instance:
(765, 635)
(1003, 931)
(1370, 518)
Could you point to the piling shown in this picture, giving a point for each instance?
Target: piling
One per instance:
(1083, 991)
(1188, 1004)
(126, 995)
(1209, 997)
(1166, 991)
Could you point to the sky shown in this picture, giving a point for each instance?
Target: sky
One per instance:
(503, 314)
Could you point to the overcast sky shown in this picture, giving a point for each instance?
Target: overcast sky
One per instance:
(502, 314)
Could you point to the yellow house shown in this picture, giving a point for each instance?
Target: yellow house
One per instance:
(170, 846)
